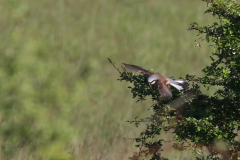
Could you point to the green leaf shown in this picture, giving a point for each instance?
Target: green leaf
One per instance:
(197, 139)
(220, 136)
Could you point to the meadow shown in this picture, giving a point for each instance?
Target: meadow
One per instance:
(60, 98)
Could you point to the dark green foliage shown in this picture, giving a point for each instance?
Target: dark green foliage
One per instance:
(193, 116)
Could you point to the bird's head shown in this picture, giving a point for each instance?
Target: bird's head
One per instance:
(152, 79)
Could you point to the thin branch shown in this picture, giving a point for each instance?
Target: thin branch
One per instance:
(155, 103)
(114, 65)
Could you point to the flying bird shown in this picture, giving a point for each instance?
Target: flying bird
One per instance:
(160, 80)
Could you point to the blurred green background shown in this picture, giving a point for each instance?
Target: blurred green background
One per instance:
(60, 98)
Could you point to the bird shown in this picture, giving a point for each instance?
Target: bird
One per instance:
(160, 80)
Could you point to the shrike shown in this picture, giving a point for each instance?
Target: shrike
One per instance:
(160, 80)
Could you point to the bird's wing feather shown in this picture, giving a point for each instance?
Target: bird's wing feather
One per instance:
(137, 69)
(164, 91)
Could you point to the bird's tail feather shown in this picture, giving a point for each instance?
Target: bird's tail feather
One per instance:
(179, 84)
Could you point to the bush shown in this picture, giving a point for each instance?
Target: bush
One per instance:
(195, 118)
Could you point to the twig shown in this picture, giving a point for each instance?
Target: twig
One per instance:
(155, 103)
(136, 121)
(114, 65)
(194, 149)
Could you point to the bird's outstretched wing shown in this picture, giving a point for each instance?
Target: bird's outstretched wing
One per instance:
(137, 69)
(163, 89)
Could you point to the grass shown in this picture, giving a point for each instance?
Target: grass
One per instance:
(59, 94)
